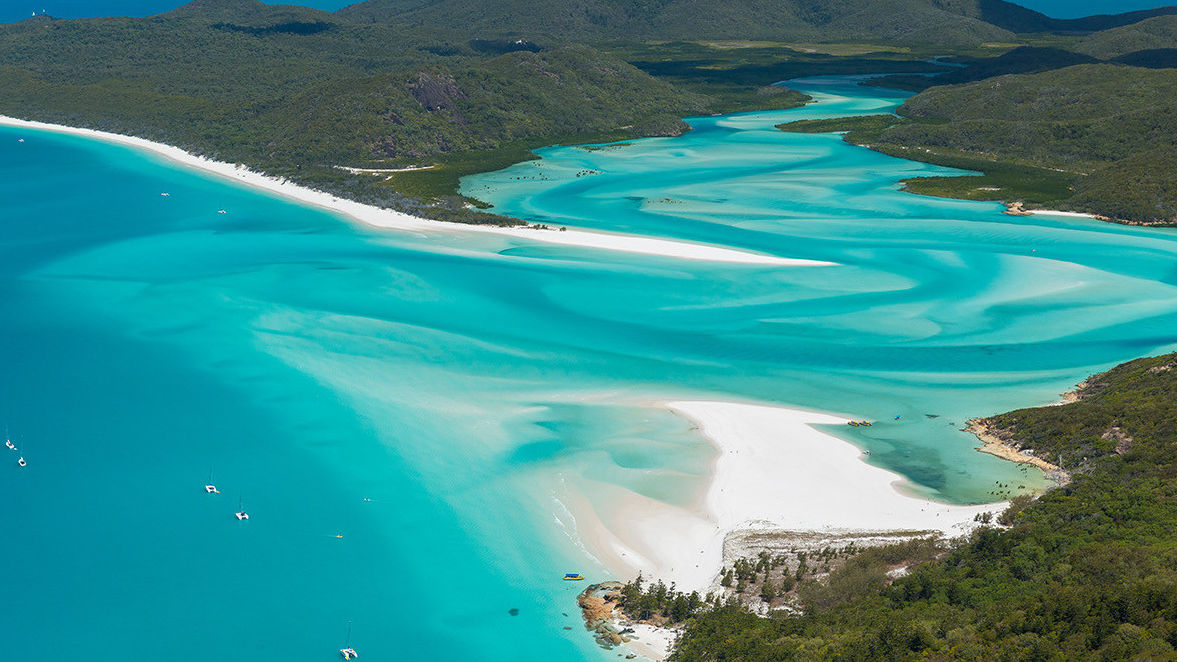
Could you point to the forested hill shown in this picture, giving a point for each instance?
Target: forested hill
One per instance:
(1151, 34)
(1088, 572)
(954, 22)
(922, 21)
(1108, 131)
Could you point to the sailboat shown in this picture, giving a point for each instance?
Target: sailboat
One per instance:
(8, 439)
(241, 514)
(209, 487)
(347, 651)
(22, 462)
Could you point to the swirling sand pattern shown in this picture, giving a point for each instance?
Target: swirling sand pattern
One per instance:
(458, 383)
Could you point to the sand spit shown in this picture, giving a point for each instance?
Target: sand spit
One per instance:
(394, 220)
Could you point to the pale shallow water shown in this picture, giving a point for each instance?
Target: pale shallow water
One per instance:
(462, 384)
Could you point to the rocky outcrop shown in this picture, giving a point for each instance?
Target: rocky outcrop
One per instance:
(597, 603)
(436, 92)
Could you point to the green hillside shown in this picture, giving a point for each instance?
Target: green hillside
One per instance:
(1090, 138)
(1087, 572)
(1153, 33)
(922, 21)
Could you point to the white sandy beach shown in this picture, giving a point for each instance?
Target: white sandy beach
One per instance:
(774, 470)
(1055, 212)
(651, 642)
(394, 220)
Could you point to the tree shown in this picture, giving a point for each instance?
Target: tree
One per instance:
(768, 592)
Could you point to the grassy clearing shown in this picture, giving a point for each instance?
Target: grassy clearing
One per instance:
(846, 49)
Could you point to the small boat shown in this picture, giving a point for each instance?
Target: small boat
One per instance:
(573, 576)
(166, 195)
(241, 514)
(22, 462)
(9, 444)
(222, 211)
(347, 652)
(21, 140)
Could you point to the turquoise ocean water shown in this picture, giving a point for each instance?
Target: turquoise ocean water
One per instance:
(428, 398)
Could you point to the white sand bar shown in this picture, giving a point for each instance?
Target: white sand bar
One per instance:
(774, 470)
(394, 220)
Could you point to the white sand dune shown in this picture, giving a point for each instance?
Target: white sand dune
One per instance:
(393, 220)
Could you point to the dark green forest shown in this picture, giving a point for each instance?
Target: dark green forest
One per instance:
(1086, 572)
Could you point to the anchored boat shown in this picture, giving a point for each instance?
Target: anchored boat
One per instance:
(347, 652)
(210, 487)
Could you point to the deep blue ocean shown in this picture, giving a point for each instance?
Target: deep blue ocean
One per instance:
(406, 415)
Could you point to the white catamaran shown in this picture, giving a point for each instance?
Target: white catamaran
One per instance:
(347, 651)
(209, 486)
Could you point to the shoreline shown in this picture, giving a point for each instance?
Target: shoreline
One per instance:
(774, 471)
(394, 220)
(1005, 449)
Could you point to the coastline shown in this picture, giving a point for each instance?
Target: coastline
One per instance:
(394, 220)
(1006, 449)
(774, 471)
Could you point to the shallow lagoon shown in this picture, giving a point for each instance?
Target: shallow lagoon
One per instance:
(465, 385)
